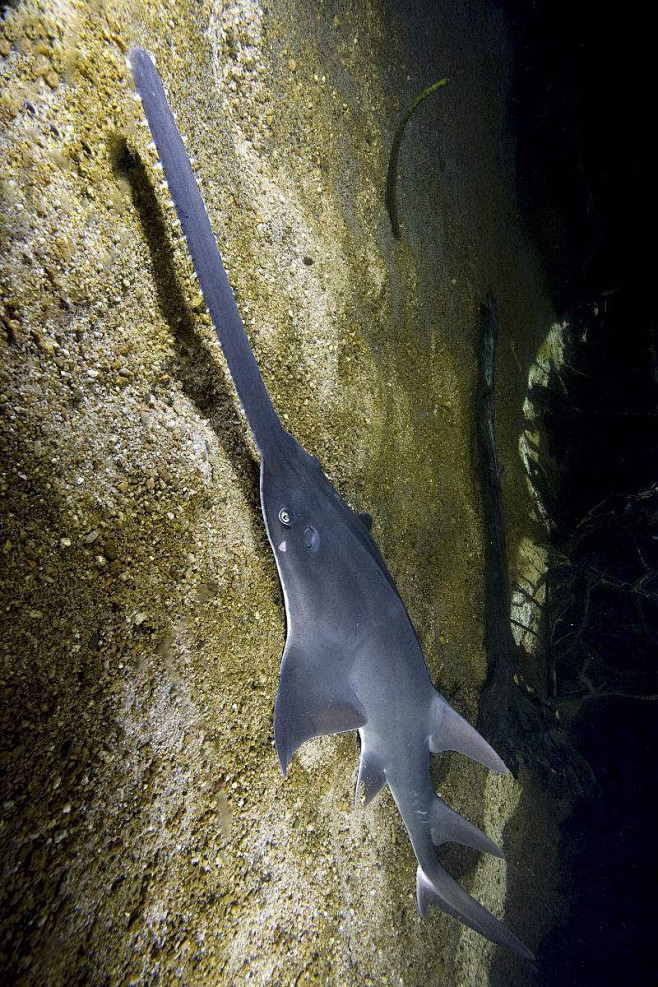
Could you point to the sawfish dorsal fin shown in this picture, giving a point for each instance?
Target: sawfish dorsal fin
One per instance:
(315, 697)
(451, 732)
(447, 826)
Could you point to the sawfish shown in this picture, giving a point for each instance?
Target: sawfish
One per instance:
(351, 660)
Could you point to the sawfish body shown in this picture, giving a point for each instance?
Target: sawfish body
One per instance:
(352, 660)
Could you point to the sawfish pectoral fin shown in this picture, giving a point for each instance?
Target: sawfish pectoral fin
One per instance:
(451, 732)
(314, 698)
(440, 889)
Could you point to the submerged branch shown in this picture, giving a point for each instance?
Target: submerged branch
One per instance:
(392, 175)
(523, 729)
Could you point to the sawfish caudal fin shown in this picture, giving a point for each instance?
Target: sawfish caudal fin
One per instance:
(430, 822)
(451, 732)
(440, 889)
(314, 698)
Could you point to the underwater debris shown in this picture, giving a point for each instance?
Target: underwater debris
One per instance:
(514, 719)
(584, 591)
(392, 174)
(601, 606)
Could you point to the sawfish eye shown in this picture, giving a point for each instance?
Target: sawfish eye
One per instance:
(284, 516)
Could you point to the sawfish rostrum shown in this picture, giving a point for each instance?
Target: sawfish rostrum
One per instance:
(351, 659)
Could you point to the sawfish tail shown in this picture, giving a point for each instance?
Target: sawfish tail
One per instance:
(436, 887)
(431, 823)
(263, 419)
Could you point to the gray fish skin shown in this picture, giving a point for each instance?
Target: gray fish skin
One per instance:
(352, 660)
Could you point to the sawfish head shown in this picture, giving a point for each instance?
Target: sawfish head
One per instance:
(311, 528)
(296, 498)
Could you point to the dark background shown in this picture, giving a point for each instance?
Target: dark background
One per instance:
(584, 118)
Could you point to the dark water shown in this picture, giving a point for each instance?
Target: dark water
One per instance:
(582, 110)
